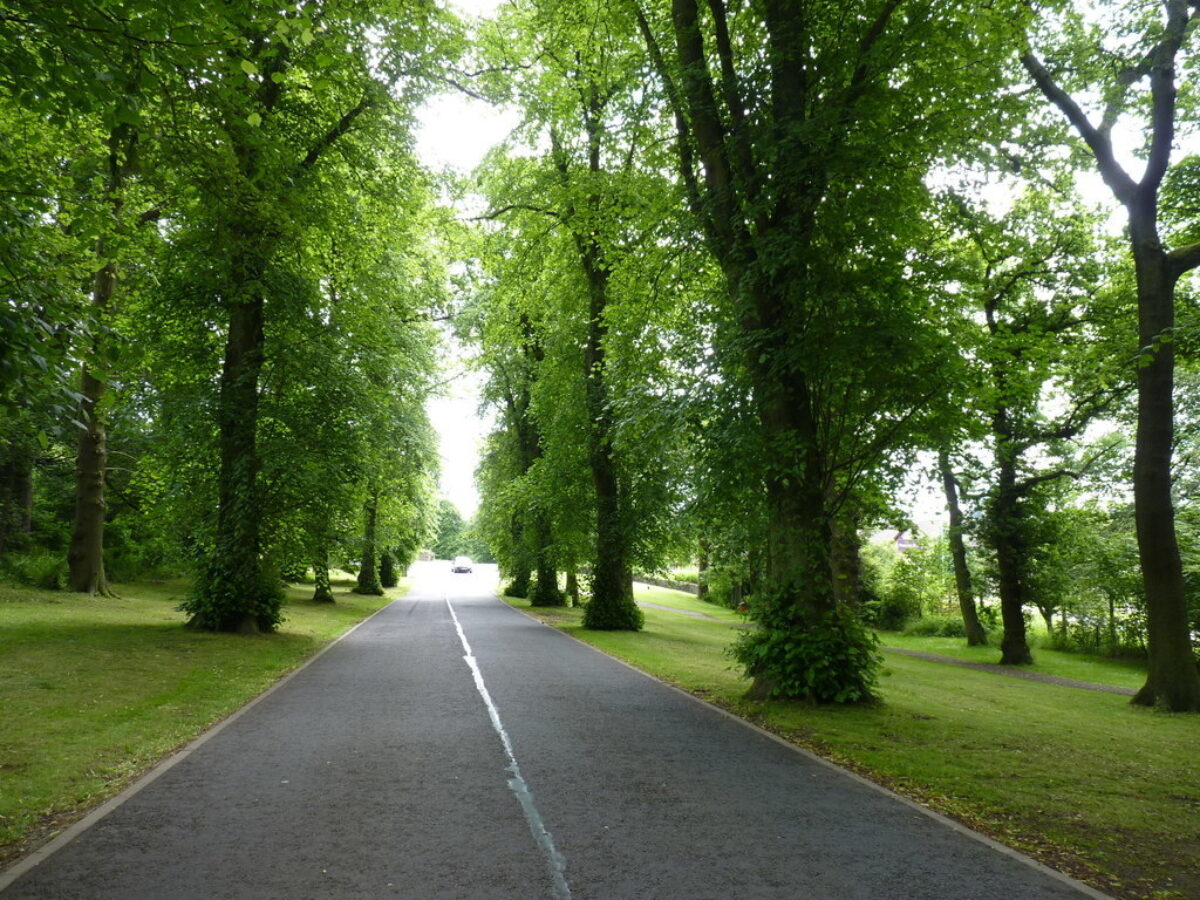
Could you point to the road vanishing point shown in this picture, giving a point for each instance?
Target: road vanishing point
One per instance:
(451, 746)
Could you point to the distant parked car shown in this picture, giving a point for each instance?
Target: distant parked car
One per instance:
(461, 564)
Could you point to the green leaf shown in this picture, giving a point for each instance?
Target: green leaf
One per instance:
(249, 68)
(254, 119)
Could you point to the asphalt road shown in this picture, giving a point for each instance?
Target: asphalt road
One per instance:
(402, 763)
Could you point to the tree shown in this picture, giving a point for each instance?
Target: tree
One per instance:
(798, 127)
(1046, 341)
(1124, 62)
(261, 109)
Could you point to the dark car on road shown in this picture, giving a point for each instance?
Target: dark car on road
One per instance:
(461, 564)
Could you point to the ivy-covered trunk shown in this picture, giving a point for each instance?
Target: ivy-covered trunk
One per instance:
(1005, 536)
(234, 591)
(976, 636)
(611, 605)
(387, 570)
(1172, 678)
(322, 589)
(368, 575)
(546, 591)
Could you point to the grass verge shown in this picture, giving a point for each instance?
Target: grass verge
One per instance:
(1128, 673)
(1083, 781)
(96, 690)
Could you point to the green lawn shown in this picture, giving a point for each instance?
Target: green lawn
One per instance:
(1081, 780)
(686, 601)
(96, 690)
(1121, 672)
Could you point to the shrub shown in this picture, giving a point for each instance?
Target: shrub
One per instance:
(937, 626)
(39, 569)
(829, 659)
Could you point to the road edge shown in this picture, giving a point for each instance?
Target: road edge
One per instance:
(35, 858)
(1085, 889)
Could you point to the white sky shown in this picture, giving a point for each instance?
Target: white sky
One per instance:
(455, 132)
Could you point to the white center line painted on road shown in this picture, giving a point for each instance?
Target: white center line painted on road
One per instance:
(556, 861)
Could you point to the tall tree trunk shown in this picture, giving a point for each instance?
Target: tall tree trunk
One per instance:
(976, 636)
(1172, 678)
(611, 605)
(322, 589)
(1005, 532)
(233, 595)
(545, 592)
(846, 559)
(85, 554)
(573, 586)
(387, 570)
(368, 574)
(702, 561)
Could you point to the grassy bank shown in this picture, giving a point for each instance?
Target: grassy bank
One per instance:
(1081, 780)
(96, 690)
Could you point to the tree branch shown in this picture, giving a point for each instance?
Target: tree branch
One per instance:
(497, 213)
(330, 137)
(1124, 187)
(1184, 259)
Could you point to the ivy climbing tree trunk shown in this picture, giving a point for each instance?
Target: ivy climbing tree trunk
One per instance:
(611, 605)
(976, 636)
(322, 589)
(368, 574)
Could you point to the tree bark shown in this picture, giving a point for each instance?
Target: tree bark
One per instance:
(611, 605)
(573, 586)
(846, 559)
(387, 570)
(85, 554)
(1005, 530)
(322, 589)
(976, 636)
(368, 574)
(1172, 678)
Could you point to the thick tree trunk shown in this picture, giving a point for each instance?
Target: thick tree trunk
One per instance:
(846, 559)
(545, 592)
(234, 583)
(368, 574)
(387, 570)
(573, 586)
(85, 555)
(521, 582)
(611, 605)
(1005, 533)
(1172, 677)
(322, 589)
(976, 636)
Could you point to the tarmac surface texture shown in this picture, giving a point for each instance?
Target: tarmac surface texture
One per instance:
(453, 747)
